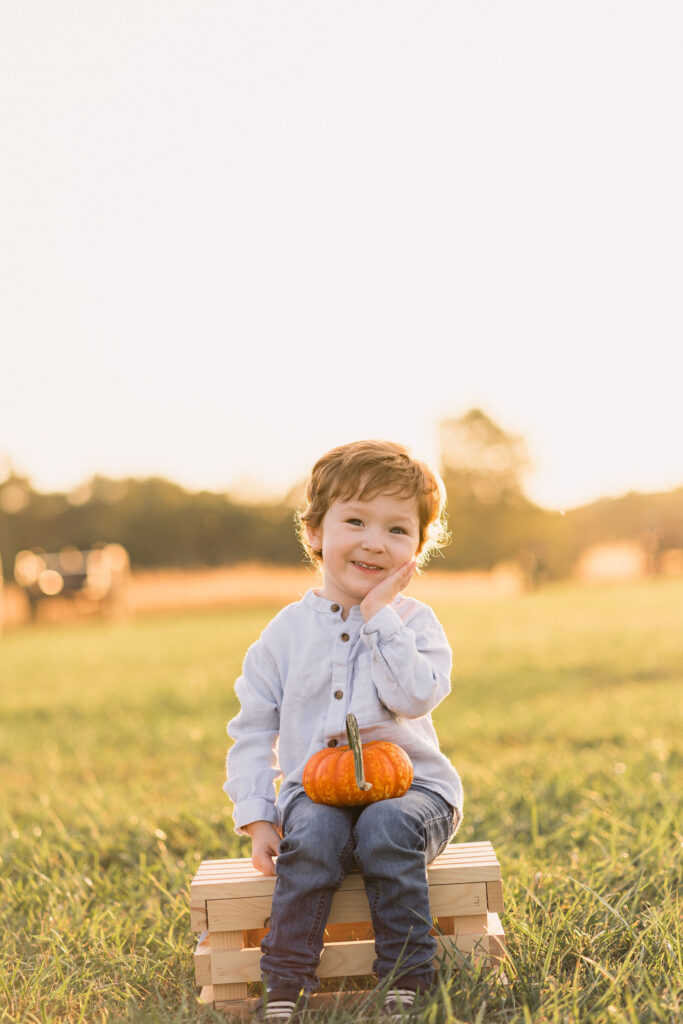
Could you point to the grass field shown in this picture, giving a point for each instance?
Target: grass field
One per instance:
(563, 722)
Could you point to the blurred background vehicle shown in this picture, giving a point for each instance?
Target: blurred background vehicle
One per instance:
(97, 577)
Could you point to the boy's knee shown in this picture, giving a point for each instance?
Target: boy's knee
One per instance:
(395, 814)
(387, 825)
(316, 832)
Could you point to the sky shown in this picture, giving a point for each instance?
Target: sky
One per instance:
(235, 235)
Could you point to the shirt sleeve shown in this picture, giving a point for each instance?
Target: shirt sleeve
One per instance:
(252, 763)
(410, 662)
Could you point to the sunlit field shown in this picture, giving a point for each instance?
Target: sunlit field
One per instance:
(565, 723)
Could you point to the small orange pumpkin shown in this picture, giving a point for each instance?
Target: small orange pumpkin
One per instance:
(337, 775)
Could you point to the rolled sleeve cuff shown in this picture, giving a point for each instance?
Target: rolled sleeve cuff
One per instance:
(255, 809)
(383, 625)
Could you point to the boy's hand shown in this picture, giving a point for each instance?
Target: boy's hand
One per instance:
(265, 844)
(384, 593)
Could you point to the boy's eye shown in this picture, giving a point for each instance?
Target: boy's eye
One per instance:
(355, 522)
(397, 529)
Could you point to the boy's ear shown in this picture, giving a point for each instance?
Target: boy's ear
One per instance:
(314, 536)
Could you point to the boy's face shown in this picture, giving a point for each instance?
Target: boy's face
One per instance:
(362, 542)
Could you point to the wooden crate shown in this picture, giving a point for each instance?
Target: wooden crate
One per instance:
(230, 903)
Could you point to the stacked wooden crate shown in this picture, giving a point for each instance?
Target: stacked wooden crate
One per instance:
(230, 905)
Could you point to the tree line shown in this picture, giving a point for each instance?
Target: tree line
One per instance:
(491, 520)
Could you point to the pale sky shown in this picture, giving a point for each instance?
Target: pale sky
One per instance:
(234, 235)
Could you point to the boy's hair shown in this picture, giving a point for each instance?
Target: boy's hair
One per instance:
(364, 469)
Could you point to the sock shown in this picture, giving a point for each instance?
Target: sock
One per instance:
(280, 1009)
(404, 996)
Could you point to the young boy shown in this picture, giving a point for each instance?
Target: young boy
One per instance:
(356, 645)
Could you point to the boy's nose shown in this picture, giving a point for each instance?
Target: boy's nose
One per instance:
(373, 542)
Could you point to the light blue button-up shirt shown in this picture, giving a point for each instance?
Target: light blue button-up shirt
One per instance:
(308, 670)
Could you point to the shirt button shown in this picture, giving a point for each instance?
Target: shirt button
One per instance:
(332, 743)
(345, 637)
(334, 608)
(339, 694)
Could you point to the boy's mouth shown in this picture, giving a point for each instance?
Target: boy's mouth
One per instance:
(367, 565)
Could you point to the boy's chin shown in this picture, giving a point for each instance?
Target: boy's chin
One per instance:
(355, 595)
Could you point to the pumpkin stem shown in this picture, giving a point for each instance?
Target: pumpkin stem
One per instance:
(353, 734)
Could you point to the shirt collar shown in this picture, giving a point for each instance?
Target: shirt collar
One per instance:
(325, 607)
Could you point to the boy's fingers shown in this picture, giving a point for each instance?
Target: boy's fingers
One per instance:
(404, 572)
(263, 863)
(383, 593)
(407, 567)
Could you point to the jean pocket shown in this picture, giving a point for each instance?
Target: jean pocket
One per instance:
(441, 831)
(457, 818)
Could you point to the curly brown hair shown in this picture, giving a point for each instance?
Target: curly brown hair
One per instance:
(364, 469)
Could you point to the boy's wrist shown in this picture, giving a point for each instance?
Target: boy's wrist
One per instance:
(253, 826)
(370, 610)
(384, 618)
(256, 826)
(367, 608)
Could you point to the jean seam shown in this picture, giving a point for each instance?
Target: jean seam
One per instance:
(325, 899)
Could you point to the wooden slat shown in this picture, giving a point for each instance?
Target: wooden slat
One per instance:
(206, 995)
(470, 924)
(494, 897)
(468, 851)
(347, 905)
(461, 898)
(198, 919)
(257, 886)
(456, 864)
(227, 867)
(338, 959)
(230, 865)
(463, 852)
(243, 912)
(202, 961)
(214, 889)
(496, 938)
(463, 849)
(453, 873)
(224, 875)
(226, 944)
(459, 850)
(453, 863)
(225, 864)
(213, 870)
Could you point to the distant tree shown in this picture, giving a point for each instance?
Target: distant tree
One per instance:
(480, 462)
(483, 466)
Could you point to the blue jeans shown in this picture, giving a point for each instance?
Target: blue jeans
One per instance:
(391, 841)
